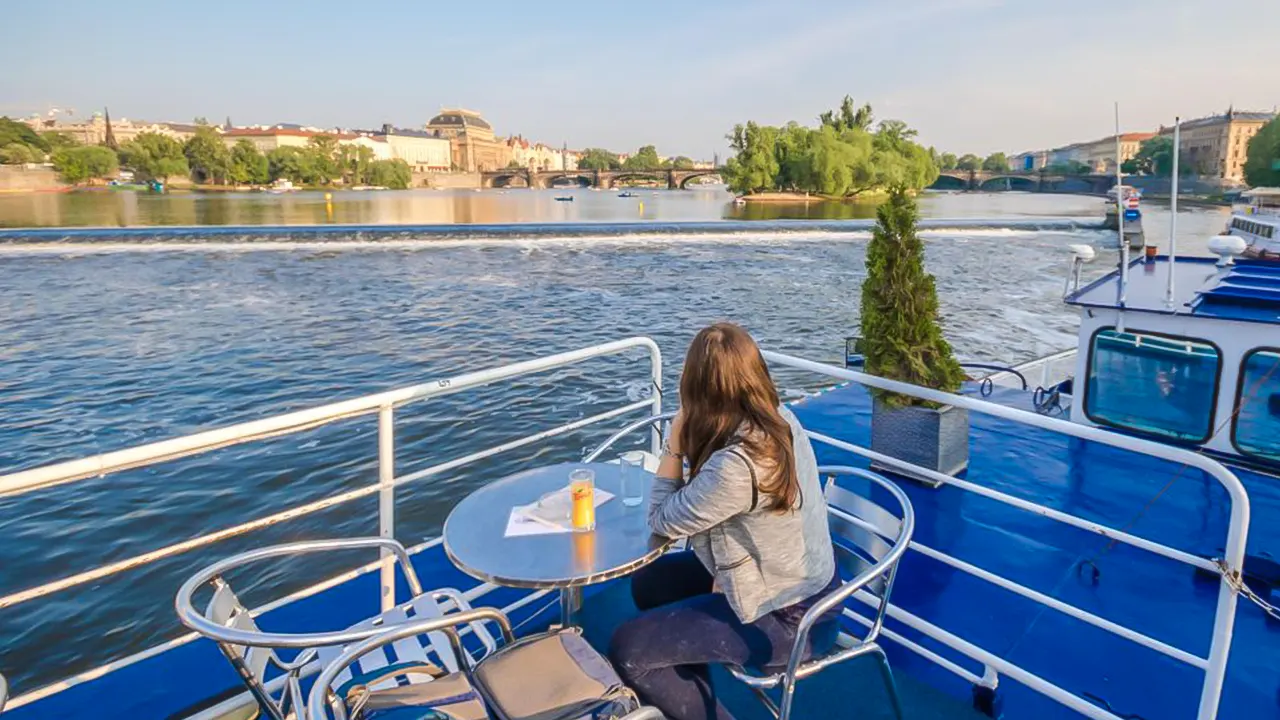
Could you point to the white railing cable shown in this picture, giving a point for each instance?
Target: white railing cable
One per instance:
(288, 423)
(1038, 597)
(104, 571)
(1228, 567)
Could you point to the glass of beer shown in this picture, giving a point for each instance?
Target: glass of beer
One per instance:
(582, 490)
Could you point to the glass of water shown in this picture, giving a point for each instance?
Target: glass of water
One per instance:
(632, 468)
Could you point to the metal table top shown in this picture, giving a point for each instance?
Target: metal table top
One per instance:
(620, 544)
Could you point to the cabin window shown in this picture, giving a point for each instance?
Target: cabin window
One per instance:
(1155, 384)
(1256, 428)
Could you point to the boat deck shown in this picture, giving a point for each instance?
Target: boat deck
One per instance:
(1165, 600)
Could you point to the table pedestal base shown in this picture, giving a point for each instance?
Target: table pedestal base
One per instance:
(570, 604)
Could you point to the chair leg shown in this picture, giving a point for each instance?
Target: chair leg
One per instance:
(788, 695)
(889, 684)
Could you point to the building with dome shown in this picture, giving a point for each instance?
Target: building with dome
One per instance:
(474, 147)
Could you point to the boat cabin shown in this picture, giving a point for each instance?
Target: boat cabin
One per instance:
(1184, 352)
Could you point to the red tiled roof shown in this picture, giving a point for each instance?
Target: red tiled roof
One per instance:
(274, 132)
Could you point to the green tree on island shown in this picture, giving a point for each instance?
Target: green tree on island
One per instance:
(248, 166)
(89, 162)
(680, 162)
(901, 335)
(207, 156)
(153, 156)
(847, 118)
(598, 159)
(646, 158)
(1262, 158)
(393, 174)
(969, 161)
(996, 162)
(947, 161)
(840, 158)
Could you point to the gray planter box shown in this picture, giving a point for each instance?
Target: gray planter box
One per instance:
(934, 439)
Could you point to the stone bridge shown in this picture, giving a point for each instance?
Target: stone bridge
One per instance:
(1025, 181)
(604, 179)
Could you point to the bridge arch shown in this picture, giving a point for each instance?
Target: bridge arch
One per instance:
(947, 181)
(568, 178)
(620, 175)
(504, 179)
(682, 177)
(1009, 182)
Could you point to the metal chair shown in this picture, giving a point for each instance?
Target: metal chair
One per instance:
(870, 539)
(252, 652)
(554, 675)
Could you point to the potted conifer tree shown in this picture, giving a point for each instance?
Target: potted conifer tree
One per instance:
(902, 340)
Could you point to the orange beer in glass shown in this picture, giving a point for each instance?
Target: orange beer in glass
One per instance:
(582, 490)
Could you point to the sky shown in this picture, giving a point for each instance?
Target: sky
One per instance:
(970, 75)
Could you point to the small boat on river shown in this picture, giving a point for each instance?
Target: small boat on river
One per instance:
(564, 198)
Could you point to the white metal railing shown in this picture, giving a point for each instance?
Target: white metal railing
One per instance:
(1045, 372)
(383, 404)
(1214, 666)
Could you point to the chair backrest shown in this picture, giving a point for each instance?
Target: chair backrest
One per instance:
(251, 663)
(871, 522)
(860, 525)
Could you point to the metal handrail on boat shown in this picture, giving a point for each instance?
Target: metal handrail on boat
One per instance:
(381, 403)
(1214, 666)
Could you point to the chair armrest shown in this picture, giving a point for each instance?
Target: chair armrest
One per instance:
(195, 620)
(321, 688)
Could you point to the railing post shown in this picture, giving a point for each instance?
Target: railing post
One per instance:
(387, 501)
(655, 432)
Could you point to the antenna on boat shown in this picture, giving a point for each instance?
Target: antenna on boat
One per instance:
(1173, 211)
(1124, 246)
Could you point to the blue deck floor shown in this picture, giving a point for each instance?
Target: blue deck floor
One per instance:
(850, 690)
(1158, 597)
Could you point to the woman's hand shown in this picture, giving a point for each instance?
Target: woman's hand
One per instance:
(673, 435)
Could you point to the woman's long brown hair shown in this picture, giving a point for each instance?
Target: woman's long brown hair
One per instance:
(728, 398)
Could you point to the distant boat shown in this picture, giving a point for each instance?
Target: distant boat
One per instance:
(282, 185)
(626, 194)
(564, 198)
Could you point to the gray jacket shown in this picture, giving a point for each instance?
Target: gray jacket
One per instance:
(762, 560)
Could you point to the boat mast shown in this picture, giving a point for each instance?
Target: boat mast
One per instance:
(1173, 210)
(1124, 246)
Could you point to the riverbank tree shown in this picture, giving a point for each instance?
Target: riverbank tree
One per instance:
(152, 156)
(842, 157)
(20, 144)
(248, 165)
(996, 162)
(1262, 156)
(82, 164)
(207, 156)
(393, 174)
(969, 161)
(598, 159)
(1154, 157)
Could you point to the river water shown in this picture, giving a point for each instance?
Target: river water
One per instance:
(108, 346)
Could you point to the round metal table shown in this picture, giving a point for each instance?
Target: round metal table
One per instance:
(621, 543)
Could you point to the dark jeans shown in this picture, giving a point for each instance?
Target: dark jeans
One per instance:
(663, 654)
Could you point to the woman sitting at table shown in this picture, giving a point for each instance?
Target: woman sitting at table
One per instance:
(756, 517)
